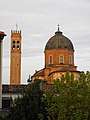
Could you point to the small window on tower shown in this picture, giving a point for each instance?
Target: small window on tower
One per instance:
(13, 41)
(17, 46)
(13, 47)
(18, 42)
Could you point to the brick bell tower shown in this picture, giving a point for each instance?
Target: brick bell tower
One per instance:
(15, 60)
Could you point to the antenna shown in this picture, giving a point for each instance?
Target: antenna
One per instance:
(16, 26)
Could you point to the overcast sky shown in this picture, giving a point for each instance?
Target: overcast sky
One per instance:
(38, 20)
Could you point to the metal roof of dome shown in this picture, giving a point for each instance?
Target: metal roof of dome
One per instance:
(59, 41)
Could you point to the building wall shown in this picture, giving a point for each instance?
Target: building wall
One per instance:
(57, 75)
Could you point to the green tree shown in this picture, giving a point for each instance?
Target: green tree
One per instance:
(29, 106)
(71, 101)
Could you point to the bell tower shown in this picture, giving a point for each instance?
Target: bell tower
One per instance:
(15, 57)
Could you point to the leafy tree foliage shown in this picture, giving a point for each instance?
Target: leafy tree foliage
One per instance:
(29, 106)
(1, 118)
(71, 100)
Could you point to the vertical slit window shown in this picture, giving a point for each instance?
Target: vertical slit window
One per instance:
(18, 42)
(17, 46)
(13, 44)
(61, 59)
(13, 47)
(51, 60)
(70, 59)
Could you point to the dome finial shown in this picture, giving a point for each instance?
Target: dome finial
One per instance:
(58, 27)
(58, 32)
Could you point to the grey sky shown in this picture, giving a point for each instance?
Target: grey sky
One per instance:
(38, 20)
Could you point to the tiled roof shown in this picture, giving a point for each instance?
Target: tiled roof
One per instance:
(39, 73)
(13, 88)
(21, 88)
(48, 87)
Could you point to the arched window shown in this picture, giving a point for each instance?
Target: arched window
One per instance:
(13, 44)
(18, 42)
(17, 46)
(70, 59)
(51, 59)
(61, 59)
(13, 47)
(13, 41)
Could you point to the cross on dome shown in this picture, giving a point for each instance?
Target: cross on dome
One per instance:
(58, 27)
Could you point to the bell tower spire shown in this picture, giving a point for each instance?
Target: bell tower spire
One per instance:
(15, 60)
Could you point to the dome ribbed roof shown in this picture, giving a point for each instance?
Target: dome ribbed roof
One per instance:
(59, 41)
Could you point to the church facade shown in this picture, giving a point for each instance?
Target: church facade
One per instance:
(59, 59)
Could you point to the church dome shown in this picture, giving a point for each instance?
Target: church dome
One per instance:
(59, 41)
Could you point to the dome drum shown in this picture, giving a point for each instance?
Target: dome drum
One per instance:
(59, 57)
